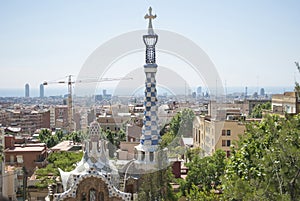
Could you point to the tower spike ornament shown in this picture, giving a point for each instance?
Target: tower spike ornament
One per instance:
(150, 40)
(150, 17)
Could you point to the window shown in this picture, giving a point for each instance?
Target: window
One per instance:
(228, 132)
(60, 113)
(143, 155)
(19, 158)
(151, 156)
(226, 143)
(223, 132)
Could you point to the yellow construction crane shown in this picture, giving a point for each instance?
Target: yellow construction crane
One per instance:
(70, 83)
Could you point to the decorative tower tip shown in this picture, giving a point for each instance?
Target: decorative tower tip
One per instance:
(150, 17)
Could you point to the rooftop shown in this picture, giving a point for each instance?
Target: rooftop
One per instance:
(66, 145)
(26, 149)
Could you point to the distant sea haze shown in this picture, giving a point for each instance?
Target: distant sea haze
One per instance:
(6, 92)
(32, 93)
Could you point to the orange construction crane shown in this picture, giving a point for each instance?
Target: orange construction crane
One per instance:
(70, 101)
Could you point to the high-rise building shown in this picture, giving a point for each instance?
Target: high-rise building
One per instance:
(41, 91)
(27, 90)
(199, 91)
(262, 91)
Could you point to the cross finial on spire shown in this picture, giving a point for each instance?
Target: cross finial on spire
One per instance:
(150, 17)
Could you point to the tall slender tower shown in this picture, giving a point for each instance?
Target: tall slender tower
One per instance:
(27, 90)
(148, 146)
(41, 91)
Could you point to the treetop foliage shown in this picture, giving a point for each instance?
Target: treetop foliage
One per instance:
(63, 160)
(264, 166)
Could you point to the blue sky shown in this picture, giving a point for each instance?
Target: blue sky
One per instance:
(252, 43)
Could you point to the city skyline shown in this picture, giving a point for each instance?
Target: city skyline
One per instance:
(251, 43)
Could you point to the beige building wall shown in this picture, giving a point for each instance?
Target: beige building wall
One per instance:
(210, 135)
(229, 134)
(9, 183)
(285, 103)
(126, 151)
(113, 123)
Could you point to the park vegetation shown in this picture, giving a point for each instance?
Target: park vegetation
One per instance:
(264, 165)
(63, 160)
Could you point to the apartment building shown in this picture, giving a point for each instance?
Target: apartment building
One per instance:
(210, 134)
(113, 123)
(29, 119)
(27, 155)
(288, 102)
(59, 116)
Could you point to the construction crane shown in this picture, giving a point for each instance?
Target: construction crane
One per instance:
(70, 84)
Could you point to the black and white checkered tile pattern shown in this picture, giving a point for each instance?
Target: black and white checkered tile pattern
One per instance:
(150, 131)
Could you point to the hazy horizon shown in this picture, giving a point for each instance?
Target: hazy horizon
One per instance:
(34, 92)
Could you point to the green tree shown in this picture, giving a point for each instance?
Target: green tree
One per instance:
(257, 111)
(156, 186)
(205, 173)
(186, 123)
(44, 135)
(266, 166)
(50, 140)
(175, 124)
(166, 139)
(59, 135)
(196, 194)
(114, 140)
(63, 160)
(193, 152)
(181, 124)
(75, 136)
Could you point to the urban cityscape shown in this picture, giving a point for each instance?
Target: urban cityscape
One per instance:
(137, 110)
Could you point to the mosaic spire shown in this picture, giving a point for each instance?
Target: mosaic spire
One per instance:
(150, 131)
